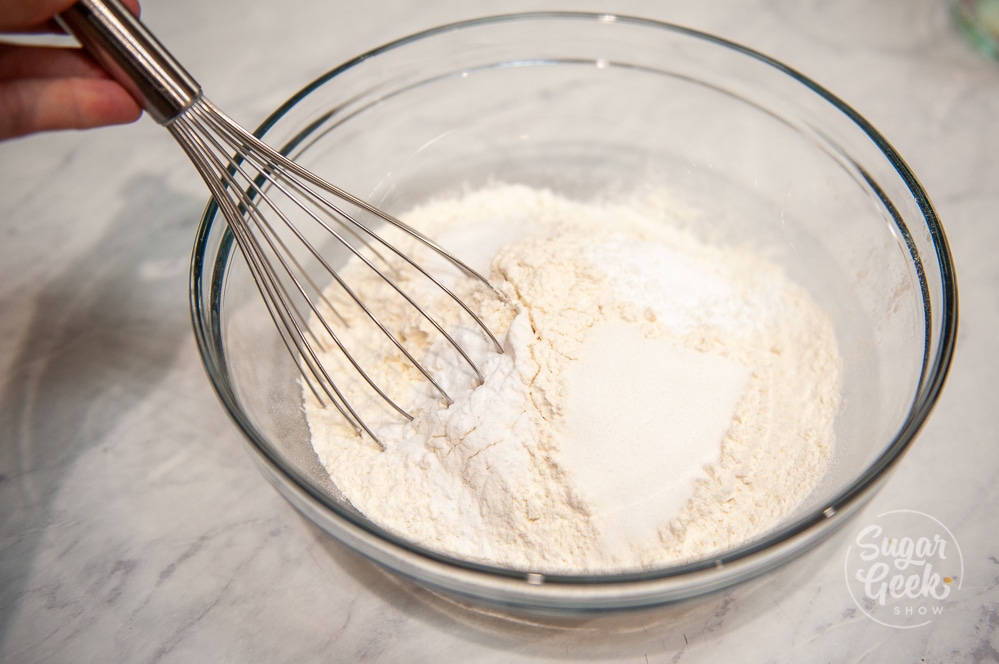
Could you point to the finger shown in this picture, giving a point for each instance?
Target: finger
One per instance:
(31, 15)
(43, 105)
(21, 62)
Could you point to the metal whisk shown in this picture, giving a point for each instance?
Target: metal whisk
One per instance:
(266, 199)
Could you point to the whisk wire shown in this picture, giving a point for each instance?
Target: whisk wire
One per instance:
(249, 182)
(269, 285)
(268, 159)
(412, 263)
(281, 306)
(271, 237)
(250, 191)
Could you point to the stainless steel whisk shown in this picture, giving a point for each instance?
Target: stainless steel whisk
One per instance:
(265, 198)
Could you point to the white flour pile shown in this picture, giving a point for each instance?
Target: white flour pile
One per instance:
(657, 399)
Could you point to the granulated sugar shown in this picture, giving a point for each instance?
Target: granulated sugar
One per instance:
(632, 400)
(658, 398)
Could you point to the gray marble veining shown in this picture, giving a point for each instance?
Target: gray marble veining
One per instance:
(133, 525)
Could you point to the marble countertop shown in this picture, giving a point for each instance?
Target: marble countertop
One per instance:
(134, 526)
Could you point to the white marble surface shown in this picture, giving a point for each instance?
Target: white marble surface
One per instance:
(133, 525)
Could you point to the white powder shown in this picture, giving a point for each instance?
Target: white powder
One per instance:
(632, 400)
(657, 399)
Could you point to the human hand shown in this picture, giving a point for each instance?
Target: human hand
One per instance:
(44, 88)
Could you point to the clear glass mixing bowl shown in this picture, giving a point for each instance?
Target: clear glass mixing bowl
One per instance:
(585, 104)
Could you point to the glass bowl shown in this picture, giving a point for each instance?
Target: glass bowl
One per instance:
(583, 103)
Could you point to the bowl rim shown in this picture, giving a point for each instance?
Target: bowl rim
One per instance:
(932, 376)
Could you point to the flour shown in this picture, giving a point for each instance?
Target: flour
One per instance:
(657, 398)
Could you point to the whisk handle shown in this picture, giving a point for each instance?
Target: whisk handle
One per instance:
(126, 49)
